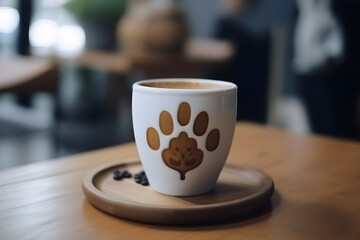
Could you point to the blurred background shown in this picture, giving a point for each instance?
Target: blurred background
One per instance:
(67, 66)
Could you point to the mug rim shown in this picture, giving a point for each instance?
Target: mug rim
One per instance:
(137, 86)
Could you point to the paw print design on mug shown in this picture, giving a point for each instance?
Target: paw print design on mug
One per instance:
(183, 153)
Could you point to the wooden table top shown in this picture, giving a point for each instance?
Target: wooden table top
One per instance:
(317, 193)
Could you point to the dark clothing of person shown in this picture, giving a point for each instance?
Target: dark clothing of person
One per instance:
(248, 68)
(331, 94)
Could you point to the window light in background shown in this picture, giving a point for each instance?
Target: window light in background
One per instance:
(47, 36)
(9, 19)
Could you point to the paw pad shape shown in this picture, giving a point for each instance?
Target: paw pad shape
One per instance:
(183, 153)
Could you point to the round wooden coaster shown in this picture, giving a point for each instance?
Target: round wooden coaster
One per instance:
(239, 191)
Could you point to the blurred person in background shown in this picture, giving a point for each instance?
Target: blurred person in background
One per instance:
(327, 65)
(243, 25)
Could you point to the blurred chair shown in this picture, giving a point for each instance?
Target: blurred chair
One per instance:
(116, 65)
(28, 76)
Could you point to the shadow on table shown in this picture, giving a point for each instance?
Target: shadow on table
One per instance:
(259, 215)
(256, 216)
(330, 222)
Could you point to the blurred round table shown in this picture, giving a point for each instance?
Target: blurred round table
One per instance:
(27, 74)
(198, 54)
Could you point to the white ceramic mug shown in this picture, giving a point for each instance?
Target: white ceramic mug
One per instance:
(183, 132)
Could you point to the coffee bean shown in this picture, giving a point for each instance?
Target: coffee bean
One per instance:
(144, 182)
(140, 177)
(117, 176)
(126, 174)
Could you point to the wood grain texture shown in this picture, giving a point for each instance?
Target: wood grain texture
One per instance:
(317, 193)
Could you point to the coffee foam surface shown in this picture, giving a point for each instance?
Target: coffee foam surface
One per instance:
(185, 85)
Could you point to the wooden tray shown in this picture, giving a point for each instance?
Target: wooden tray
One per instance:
(239, 191)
